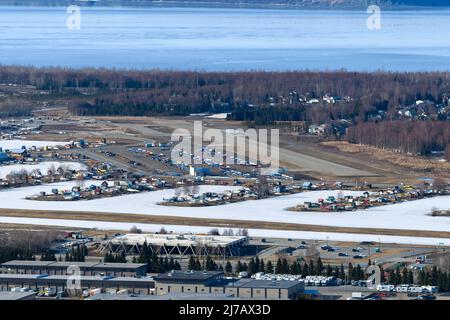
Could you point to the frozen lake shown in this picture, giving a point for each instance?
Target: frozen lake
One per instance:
(225, 39)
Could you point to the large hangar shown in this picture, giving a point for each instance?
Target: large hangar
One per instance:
(176, 244)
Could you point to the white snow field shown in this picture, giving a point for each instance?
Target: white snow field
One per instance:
(17, 144)
(42, 166)
(218, 116)
(304, 235)
(412, 215)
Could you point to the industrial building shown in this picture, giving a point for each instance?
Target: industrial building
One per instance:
(170, 285)
(57, 283)
(212, 282)
(86, 268)
(177, 244)
(189, 282)
(199, 171)
(265, 289)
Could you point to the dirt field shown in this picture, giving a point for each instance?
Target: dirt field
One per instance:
(415, 163)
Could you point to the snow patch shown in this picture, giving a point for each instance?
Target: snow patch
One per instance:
(303, 235)
(17, 144)
(413, 215)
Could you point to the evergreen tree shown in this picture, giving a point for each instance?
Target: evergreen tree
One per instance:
(336, 272)
(421, 278)
(350, 271)
(278, 267)
(198, 265)
(329, 271)
(256, 265)
(269, 267)
(285, 267)
(319, 266)
(251, 267)
(312, 269)
(191, 263)
(382, 277)
(210, 265)
(239, 267)
(228, 268)
(434, 276)
(305, 270)
(262, 267)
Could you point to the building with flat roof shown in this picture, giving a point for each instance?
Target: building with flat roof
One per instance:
(190, 282)
(3, 156)
(213, 283)
(170, 285)
(203, 277)
(176, 244)
(14, 295)
(86, 268)
(58, 283)
(265, 289)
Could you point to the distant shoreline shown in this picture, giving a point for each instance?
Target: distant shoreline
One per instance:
(223, 4)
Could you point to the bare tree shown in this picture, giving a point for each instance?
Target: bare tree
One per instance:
(228, 232)
(443, 262)
(243, 232)
(135, 229)
(311, 252)
(214, 232)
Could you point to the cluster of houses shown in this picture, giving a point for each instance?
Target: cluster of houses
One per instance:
(56, 172)
(369, 199)
(36, 176)
(105, 189)
(336, 127)
(250, 191)
(425, 110)
(294, 97)
(27, 154)
(419, 110)
(22, 154)
(211, 198)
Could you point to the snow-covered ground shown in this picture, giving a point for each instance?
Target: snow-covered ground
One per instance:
(304, 235)
(218, 116)
(17, 144)
(412, 215)
(42, 166)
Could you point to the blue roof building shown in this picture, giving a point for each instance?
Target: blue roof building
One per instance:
(3, 156)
